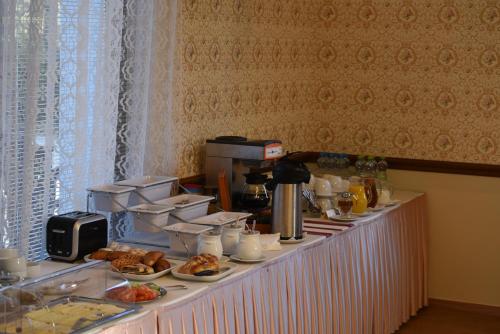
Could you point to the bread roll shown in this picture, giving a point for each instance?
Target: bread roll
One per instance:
(125, 260)
(161, 264)
(115, 255)
(151, 257)
(100, 255)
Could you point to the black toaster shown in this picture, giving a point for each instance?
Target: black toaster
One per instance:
(72, 235)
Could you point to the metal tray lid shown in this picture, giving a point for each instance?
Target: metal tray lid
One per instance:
(185, 200)
(110, 188)
(155, 209)
(146, 181)
(187, 228)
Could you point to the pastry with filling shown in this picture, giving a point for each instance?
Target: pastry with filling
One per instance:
(203, 264)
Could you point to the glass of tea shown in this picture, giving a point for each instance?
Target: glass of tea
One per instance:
(345, 203)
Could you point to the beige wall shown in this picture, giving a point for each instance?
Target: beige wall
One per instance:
(464, 234)
(401, 78)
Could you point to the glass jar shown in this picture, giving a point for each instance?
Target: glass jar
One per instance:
(345, 203)
(231, 237)
(370, 184)
(210, 243)
(360, 201)
(249, 247)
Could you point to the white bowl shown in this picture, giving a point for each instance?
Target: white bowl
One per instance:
(181, 233)
(187, 206)
(153, 188)
(150, 217)
(322, 187)
(110, 197)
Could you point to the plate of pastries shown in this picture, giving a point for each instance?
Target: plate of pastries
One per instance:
(137, 266)
(204, 268)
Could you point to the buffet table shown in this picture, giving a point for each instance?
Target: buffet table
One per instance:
(367, 279)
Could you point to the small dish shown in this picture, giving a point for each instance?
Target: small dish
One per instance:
(235, 258)
(294, 241)
(87, 258)
(225, 269)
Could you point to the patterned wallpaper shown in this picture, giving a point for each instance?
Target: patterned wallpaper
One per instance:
(415, 79)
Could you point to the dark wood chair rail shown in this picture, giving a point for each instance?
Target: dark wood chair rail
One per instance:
(436, 166)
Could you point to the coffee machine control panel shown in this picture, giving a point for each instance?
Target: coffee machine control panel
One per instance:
(273, 151)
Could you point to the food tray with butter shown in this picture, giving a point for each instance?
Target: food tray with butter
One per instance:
(68, 314)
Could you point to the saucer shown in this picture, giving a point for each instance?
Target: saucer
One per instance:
(344, 219)
(294, 241)
(235, 258)
(379, 207)
(393, 203)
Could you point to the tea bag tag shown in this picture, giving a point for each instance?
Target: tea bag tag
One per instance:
(330, 213)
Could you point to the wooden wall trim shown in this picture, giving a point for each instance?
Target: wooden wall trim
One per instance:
(468, 307)
(436, 166)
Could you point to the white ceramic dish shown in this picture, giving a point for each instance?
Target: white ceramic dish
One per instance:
(221, 218)
(147, 277)
(181, 233)
(226, 269)
(187, 206)
(110, 197)
(235, 258)
(364, 214)
(151, 187)
(150, 217)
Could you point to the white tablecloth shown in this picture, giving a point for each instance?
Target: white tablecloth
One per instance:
(368, 279)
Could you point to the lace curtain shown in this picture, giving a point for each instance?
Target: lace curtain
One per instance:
(81, 87)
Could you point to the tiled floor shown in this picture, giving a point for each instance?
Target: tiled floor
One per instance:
(439, 319)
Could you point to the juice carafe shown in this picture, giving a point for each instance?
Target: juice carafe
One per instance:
(360, 202)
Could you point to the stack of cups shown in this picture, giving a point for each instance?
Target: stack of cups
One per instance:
(12, 263)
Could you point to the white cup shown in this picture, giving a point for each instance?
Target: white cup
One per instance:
(335, 182)
(15, 265)
(33, 269)
(8, 252)
(231, 238)
(322, 187)
(249, 247)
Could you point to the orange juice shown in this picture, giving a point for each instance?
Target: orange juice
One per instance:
(360, 202)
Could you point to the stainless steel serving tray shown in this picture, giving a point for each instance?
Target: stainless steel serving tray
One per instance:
(128, 309)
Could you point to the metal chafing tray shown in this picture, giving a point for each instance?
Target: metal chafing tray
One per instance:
(127, 309)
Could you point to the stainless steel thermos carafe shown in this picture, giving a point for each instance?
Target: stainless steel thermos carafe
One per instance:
(287, 210)
(288, 176)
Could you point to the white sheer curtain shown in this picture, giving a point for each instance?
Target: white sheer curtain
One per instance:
(76, 83)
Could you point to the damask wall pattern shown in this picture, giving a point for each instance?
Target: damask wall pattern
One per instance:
(415, 79)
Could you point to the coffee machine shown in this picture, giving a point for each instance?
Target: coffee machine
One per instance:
(238, 156)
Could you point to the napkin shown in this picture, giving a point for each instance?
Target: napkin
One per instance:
(270, 241)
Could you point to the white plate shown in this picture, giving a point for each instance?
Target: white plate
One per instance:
(364, 214)
(393, 203)
(87, 258)
(344, 219)
(378, 207)
(220, 218)
(148, 277)
(227, 269)
(235, 258)
(295, 241)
